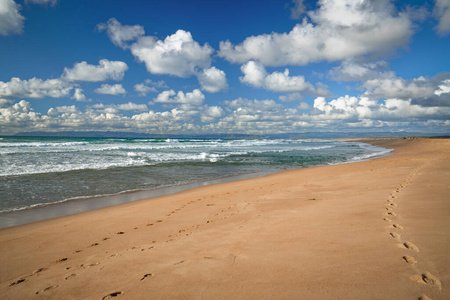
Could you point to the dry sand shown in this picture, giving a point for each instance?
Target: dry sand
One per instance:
(369, 230)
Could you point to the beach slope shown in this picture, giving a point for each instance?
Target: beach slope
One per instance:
(377, 229)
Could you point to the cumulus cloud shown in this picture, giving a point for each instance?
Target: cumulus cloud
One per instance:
(108, 89)
(20, 116)
(11, 21)
(213, 80)
(195, 97)
(256, 75)
(149, 86)
(114, 108)
(396, 87)
(105, 70)
(120, 34)
(338, 30)
(239, 115)
(353, 71)
(357, 109)
(440, 97)
(79, 96)
(34, 88)
(177, 54)
(144, 89)
(442, 13)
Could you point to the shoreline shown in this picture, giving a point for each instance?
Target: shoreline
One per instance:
(75, 206)
(376, 229)
(69, 207)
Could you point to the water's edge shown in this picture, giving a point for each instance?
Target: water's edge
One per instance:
(62, 209)
(71, 207)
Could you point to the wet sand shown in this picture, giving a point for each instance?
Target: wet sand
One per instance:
(370, 230)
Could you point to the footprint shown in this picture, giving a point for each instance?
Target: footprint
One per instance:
(387, 219)
(112, 295)
(70, 276)
(46, 289)
(147, 275)
(120, 232)
(409, 259)
(431, 279)
(427, 278)
(394, 235)
(39, 270)
(17, 281)
(391, 213)
(410, 246)
(62, 259)
(393, 204)
(397, 226)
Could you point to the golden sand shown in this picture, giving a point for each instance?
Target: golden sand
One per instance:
(378, 229)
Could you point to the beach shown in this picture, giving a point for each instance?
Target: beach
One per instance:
(375, 229)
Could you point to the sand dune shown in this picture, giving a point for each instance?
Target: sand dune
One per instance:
(369, 230)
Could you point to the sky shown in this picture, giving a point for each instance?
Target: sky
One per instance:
(237, 67)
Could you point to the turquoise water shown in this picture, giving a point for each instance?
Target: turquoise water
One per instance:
(39, 171)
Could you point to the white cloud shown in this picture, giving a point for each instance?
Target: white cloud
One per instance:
(79, 96)
(256, 75)
(282, 82)
(132, 106)
(108, 89)
(339, 30)
(443, 88)
(149, 86)
(440, 97)
(195, 97)
(442, 13)
(34, 88)
(105, 70)
(352, 71)
(356, 109)
(400, 88)
(114, 108)
(213, 80)
(120, 34)
(298, 9)
(20, 116)
(11, 21)
(291, 97)
(43, 2)
(62, 110)
(144, 89)
(177, 55)
(234, 116)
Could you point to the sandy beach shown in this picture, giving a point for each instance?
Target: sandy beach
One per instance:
(377, 229)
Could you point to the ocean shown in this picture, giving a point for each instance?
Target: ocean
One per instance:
(38, 171)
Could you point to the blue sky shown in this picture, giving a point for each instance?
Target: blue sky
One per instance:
(253, 67)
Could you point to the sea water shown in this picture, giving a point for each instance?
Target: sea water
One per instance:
(38, 171)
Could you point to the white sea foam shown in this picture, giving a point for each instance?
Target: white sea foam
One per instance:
(151, 162)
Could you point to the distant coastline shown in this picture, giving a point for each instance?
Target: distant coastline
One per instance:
(323, 135)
